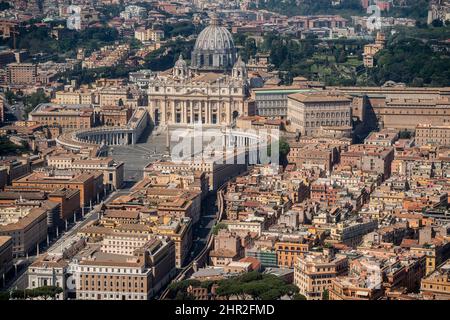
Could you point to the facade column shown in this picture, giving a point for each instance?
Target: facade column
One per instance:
(183, 110)
(208, 106)
(163, 111)
(174, 118)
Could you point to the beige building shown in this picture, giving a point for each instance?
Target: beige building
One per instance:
(370, 50)
(113, 171)
(353, 288)
(107, 56)
(227, 248)
(310, 111)
(384, 138)
(51, 269)
(368, 158)
(218, 173)
(85, 97)
(67, 117)
(427, 134)
(102, 275)
(48, 271)
(314, 272)
(6, 255)
(115, 116)
(21, 74)
(90, 185)
(118, 95)
(26, 226)
(320, 155)
(143, 34)
(124, 231)
(436, 285)
(352, 232)
(408, 113)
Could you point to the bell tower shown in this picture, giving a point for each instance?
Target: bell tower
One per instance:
(239, 70)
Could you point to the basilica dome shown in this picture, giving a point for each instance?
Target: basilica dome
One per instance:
(214, 48)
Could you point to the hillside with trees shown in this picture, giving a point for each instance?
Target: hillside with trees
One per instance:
(417, 57)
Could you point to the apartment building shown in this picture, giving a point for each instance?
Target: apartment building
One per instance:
(68, 201)
(113, 171)
(314, 272)
(368, 158)
(288, 250)
(144, 35)
(102, 275)
(309, 156)
(6, 255)
(353, 288)
(74, 97)
(27, 227)
(196, 181)
(15, 168)
(52, 267)
(436, 286)
(90, 185)
(351, 232)
(180, 232)
(227, 248)
(427, 134)
(217, 173)
(67, 117)
(2, 110)
(385, 138)
(21, 74)
(124, 231)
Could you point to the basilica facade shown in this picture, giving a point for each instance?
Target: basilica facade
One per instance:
(213, 90)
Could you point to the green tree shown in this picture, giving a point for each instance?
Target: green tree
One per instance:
(45, 292)
(325, 295)
(256, 286)
(31, 101)
(9, 148)
(10, 96)
(299, 296)
(218, 227)
(284, 150)
(437, 23)
(408, 58)
(249, 49)
(178, 290)
(4, 6)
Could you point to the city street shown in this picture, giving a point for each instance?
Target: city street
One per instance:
(20, 281)
(14, 112)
